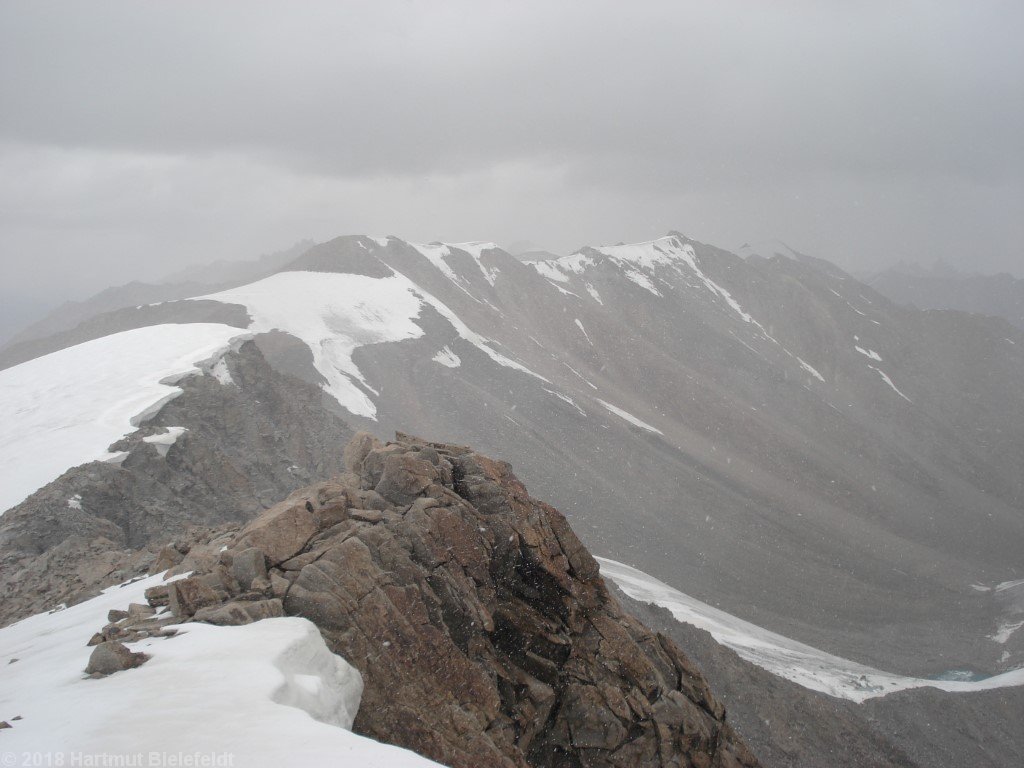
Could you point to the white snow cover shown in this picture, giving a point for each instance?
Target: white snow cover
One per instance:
(220, 372)
(165, 440)
(336, 313)
(790, 659)
(868, 353)
(584, 331)
(447, 358)
(436, 253)
(268, 693)
(638, 260)
(629, 417)
(643, 281)
(66, 408)
(1006, 629)
(579, 375)
(566, 399)
(1003, 586)
(888, 381)
(810, 369)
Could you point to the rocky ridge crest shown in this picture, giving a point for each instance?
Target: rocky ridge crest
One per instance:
(480, 623)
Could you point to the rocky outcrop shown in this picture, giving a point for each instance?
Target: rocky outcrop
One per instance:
(110, 657)
(249, 441)
(481, 625)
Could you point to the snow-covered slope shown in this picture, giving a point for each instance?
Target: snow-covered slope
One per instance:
(782, 656)
(704, 416)
(264, 694)
(335, 314)
(67, 407)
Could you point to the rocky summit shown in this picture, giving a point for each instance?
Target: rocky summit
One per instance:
(481, 625)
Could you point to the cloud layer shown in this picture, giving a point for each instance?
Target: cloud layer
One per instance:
(137, 137)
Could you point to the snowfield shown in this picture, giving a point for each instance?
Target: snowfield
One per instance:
(66, 408)
(336, 313)
(790, 659)
(264, 694)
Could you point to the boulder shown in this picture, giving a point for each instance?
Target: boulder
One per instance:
(367, 515)
(240, 612)
(247, 565)
(281, 532)
(158, 596)
(110, 657)
(186, 596)
(138, 611)
(405, 477)
(115, 614)
(357, 449)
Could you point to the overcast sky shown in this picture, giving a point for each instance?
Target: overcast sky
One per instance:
(136, 138)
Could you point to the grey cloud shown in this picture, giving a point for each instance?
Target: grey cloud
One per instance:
(852, 130)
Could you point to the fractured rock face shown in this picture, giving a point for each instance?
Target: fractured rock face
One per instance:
(482, 628)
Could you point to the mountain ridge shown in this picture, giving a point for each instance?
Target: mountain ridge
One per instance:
(730, 402)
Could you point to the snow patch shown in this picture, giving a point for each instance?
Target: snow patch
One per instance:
(1003, 586)
(888, 381)
(584, 331)
(220, 372)
(1006, 629)
(810, 369)
(868, 353)
(579, 375)
(597, 296)
(63, 409)
(437, 253)
(565, 399)
(642, 280)
(630, 417)
(447, 358)
(274, 686)
(334, 314)
(476, 249)
(802, 664)
(164, 441)
(75, 502)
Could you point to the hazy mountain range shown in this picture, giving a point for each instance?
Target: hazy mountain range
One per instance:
(763, 432)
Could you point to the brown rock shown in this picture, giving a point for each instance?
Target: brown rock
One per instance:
(240, 612)
(139, 611)
(168, 557)
(248, 564)
(186, 596)
(357, 449)
(367, 515)
(281, 532)
(110, 657)
(158, 596)
(482, 627)
(279, 585)
(405, 477)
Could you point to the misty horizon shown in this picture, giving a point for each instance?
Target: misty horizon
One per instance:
(139, 139)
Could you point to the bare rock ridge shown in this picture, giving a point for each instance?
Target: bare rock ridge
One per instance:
(246, 445)
(480, 623)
